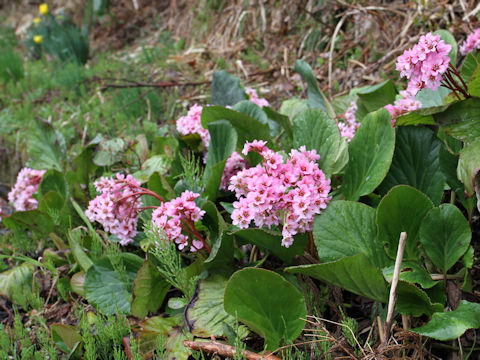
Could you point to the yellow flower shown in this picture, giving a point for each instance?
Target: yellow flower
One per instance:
(38, 39)
(43, 9)
(37, 21)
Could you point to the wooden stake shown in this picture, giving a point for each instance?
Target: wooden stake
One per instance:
(393, 290)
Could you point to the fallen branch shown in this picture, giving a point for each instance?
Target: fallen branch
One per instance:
(393, 290)
(225, 350)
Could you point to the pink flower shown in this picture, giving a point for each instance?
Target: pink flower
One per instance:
(403, 106)
(192, 124)
(472, 42)
(277, 193)
(21, 195)
(253, 97)
(234, 164)
(171, 215)
(424, 64)
(116, 207)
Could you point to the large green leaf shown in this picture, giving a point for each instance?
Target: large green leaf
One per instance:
(34, 220)
(109, 282)
(411, 272)
(347, 228)
(461, 120)
(222, 145)
(401, 210)
(149, 290)
(45, 146)
(445, 235)
(374, 97)
(169, 329)
(370, 154)
(156, 164)
(469, 166)
(53, 180)
(431, 99)
(316, 99)
(470, 64)
(354, 273)
(270, 305)
(65, 336)
(281, 120)
(416, 163)
(314, 129)
(414, 301)
(248, 128)
(226, 89)
(16, 283)
(109, 152)
(253, 110)
(205, 313)
(292, 107)
(272, 241)
(451, 325)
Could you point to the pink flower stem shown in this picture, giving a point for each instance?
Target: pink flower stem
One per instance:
(457, 87)
(195, 232)
(142, 192)
(455, 71)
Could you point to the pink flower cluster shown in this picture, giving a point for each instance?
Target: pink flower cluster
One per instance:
(425, 63)
(116, 207)
(472, 42)
(192, 124)
(274, 192)
(21, 195)
(253, 97)
(170, 216)
(234, 164)
(350, 125)
(402, 106)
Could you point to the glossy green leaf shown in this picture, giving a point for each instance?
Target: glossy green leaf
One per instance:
(347, 228)
(282, 120)
(272, 241)
(374, 97)
(469, 166)
(169, 328)
(149, 290)
(84, 166)
(270, 305)
(293, 107)
(470, 64)
(370, 154)
(402, 210)
(452, 324)
(461, 120)
(51, 201)
(423, 116)
(314, 129)
(16, 283)
(411, 272)
(45, 146)
(416, 163)
(247, 128)
(226, 89)
(205, 313)
(316, 99)
(411, 300)
(109, 152)
(432, 99)
(253, 110)
(445, 236)
(354, 273)
(109, 282)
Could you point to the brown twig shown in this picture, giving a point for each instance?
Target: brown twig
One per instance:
(393, 290)
(225, 350)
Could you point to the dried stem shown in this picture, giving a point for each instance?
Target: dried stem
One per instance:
(393, 290)
(225, 350)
